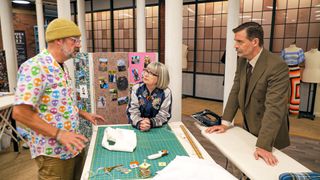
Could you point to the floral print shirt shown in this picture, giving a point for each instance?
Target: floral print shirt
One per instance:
(155, 105)
(46, 86)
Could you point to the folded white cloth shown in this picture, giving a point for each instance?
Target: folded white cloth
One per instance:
(124, 139)
(187, 168)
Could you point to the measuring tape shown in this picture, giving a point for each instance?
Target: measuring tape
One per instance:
(194, 146)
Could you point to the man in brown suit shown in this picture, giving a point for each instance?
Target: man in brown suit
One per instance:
(260, 90)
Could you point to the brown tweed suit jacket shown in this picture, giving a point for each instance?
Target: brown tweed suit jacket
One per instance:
(265, 107)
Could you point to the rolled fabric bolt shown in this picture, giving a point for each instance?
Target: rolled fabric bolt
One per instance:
(158, 155)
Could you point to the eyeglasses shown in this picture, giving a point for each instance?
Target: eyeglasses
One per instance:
(147, 71)
(75, 40)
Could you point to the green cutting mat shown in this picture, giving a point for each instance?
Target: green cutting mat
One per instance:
(148, 143)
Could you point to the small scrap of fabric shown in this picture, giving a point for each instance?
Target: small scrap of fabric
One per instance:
(300, 176)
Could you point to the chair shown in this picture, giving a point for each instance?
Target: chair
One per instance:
(5, 113)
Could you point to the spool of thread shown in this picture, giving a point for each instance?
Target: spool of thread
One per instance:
(144, 170)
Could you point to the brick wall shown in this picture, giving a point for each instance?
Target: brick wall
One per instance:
(24, 20)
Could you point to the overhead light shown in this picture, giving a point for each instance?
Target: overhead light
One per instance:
(128, 15)
(257, 19)
(245, 16)
(21, 2)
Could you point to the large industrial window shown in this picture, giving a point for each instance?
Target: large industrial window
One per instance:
(152, 28)
(260, 12)
(89, 32)
(297, 21)
(211, 36)
(102, 31)
(124, 30)
(188, 33)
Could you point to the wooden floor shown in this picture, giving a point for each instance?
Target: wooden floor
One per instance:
(19, 166)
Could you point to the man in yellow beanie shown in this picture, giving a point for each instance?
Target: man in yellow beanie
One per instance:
(45, 102)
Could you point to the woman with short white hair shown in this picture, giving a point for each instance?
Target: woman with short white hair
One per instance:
(150, 101)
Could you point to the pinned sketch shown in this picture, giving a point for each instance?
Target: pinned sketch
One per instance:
(103, 64)
(101, 102)
(83, 91)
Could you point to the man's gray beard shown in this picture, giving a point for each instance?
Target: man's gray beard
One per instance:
(67, 54)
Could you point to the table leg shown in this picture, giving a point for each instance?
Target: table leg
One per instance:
(15, 143)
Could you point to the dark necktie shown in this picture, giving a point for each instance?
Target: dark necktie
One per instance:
(249, 73)
(248, 76)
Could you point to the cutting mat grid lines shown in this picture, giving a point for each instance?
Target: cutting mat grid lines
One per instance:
(148, 143)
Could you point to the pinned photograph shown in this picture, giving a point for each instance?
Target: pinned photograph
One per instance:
(112, 76)
(113, 91)
(147, 61)
(78, 95)
(122, 83)
(103, 64)
(135, 60)
(123, 100)
(80, 105)
(81, 75)
(101, 102)
(121, 65)
(79, 62)
(83, 91)
(103, 83)
(135, 74)
(113, 94)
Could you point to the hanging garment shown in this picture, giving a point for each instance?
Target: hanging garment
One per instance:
(294, 75)
(293, 59)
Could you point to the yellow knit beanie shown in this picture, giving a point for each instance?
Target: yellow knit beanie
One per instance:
(61, 28)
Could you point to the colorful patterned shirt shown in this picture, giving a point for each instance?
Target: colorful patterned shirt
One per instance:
(155, 105)
(293, 58)
(43, 84)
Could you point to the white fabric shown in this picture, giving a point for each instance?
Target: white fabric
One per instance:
(238, 146)
(183, 168)
(125, 139)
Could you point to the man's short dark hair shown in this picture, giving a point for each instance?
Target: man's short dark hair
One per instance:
(253, 29)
